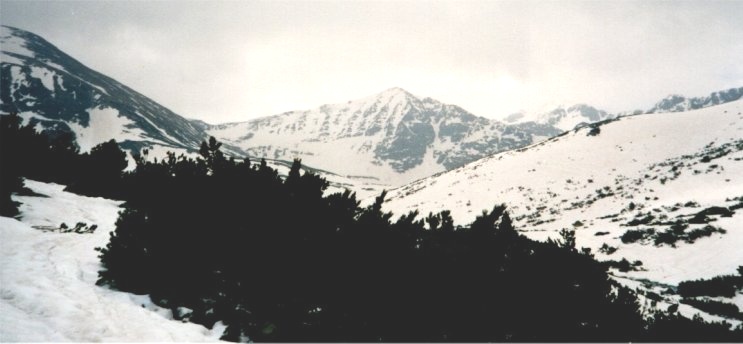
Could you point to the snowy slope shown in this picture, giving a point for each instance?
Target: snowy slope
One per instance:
(671, 167)
(47, 278)
(393, 136)
(48, 87)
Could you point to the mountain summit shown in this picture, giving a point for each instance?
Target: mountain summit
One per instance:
(564, 117)
(678, 103)
(393, 135)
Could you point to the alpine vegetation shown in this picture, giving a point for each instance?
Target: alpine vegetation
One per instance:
(215, 239)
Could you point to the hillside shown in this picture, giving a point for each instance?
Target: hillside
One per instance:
(675, 180)
(48, 87)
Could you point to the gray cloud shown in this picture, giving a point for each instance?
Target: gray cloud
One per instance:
(230, 61)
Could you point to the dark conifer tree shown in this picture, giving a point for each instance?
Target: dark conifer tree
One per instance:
(100, 171)
(11, 154)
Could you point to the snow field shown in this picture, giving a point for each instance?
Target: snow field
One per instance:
(48, 290)
(653, 161)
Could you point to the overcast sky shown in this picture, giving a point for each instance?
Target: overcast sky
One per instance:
(232, 61)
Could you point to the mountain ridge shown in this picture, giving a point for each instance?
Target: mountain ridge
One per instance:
(678, 103)
(392, 137)
(568, 117)
(394, 129)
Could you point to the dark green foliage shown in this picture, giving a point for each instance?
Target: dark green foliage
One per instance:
(606, 249)
(703, 216)
(634, 235)
(717, 286)
(277, 261)
(100, 171)
(10, 176)
(675, 328)
(674, 234)
(702, 232)
(716, 307)
(666, 237)
(568, 239)
(722, 211)
(53, 157)
(37, 155)
(623, 265)
(699, 218)
(641, 220)
(26, 153)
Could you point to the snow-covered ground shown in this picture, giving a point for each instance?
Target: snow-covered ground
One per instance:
(671, 166)
(47, 278)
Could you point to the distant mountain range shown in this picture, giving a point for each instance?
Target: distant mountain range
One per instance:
(390, 138)
(678, 103)
(562, 117)
(568, 117)
(392, 135)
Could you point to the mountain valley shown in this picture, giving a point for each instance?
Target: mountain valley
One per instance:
(657, 192)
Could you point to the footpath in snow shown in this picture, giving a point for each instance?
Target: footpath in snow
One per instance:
(47, 278)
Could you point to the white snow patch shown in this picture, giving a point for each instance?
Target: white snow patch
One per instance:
(46, 76)
(13, 44)
(26, 117)
(48, 290)
(105, 124)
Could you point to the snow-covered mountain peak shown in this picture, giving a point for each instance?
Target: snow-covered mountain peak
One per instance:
(679, 103)
(567, 117)
(564, 117)
(393, 135)
(671, 103)
(393, 92)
